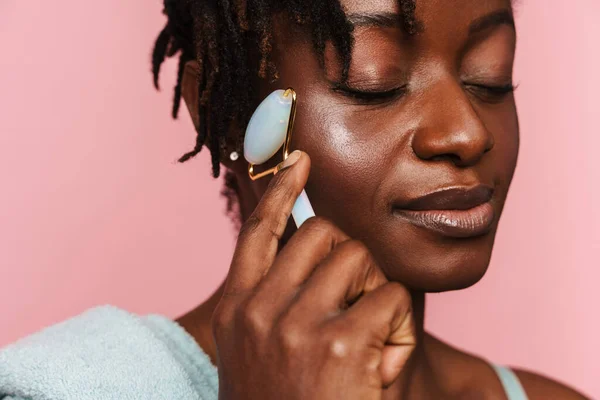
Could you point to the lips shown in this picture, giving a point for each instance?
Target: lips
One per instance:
(453, 212)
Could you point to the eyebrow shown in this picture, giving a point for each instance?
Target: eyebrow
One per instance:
(390, 20)
(376, 20)
(496, 18)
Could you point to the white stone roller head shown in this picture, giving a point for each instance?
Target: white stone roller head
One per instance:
(267, 129)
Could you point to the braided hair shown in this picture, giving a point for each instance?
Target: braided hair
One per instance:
(224, 37)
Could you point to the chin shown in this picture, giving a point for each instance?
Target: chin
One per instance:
(427, 263)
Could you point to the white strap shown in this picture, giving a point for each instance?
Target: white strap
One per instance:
(512, 386)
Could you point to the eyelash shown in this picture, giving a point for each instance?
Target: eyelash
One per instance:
(490, 93)
(487, 93)
(370, 96)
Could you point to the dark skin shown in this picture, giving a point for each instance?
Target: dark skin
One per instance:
(440, 123)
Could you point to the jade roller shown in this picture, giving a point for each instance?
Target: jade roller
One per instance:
(270, 129)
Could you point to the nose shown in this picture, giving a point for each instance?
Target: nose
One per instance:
(452, 130)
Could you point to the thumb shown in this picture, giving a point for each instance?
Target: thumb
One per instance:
(394, 359)
(397, 350)
(258, 240)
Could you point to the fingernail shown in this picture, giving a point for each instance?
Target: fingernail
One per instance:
(291, 160)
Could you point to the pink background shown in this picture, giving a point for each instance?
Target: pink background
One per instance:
(95, 210)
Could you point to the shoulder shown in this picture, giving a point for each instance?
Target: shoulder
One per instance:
(541, 387)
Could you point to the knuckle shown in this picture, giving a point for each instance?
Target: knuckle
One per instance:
(319, 226)
(221, 320)
(338, 345)
(257, 221)
(322, 229)
(276, 226)
(338, 348)
(398, 291)
(368, 274)
(278, 187)
(291, 336)
(320, 223)
(360, 259)
(358, 251)
(250, 226)
(373, 358)
(253, 318)
(401, 296)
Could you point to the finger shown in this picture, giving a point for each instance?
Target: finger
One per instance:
(386, 315)
(313, 242)
(345, 274)
(294, 264)
(259, 237)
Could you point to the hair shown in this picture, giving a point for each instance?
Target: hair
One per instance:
(232, 42)
(223, 35)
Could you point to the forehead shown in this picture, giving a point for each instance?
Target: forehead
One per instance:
(428, 11)
(369, 6)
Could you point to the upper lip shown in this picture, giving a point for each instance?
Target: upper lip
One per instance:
(456, 198)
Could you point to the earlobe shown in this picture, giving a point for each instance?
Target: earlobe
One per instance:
(191, 96)
(189, 90)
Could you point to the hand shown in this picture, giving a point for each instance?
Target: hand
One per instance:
(319, 320)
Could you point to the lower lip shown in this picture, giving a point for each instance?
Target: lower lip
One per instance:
(469, 223)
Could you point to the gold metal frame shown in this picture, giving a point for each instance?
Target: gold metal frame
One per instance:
(286, 145)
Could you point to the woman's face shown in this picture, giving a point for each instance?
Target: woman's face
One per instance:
(419, 167)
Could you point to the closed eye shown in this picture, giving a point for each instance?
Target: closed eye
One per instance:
(490, 93)
(369, 96)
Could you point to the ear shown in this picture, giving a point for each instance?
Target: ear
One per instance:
(189, 92)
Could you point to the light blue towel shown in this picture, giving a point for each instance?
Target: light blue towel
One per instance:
(107, 353)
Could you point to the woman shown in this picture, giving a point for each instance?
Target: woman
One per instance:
(408, 128)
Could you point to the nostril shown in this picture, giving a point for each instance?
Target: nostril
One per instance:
(490, 145)
(455, 159)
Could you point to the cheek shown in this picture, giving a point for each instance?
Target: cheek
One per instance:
(344, 169)
(504, 125)
(512, 141)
